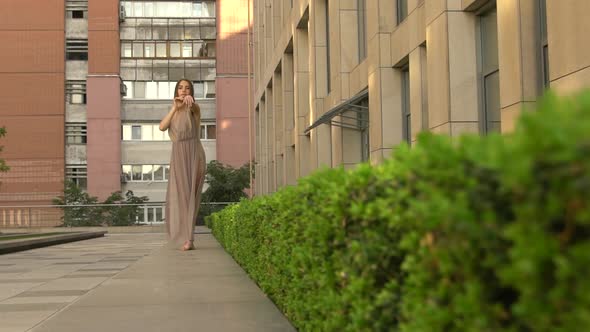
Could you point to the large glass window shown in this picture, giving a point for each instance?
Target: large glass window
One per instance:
(78, 174)
(158, 172)
(169, 8)
(406, 114)
(362, 23)
(76, 91)
(490, 72)
(144, 132)
(143, 173)
(328, 67)
(544, 52)
(402, 10)
(165, 89)
(363, 120)
(208, 131)
(76, 133)
(173, 49)
(77, 49)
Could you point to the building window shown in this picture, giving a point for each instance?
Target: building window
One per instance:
(76, 133)
(145, 173)
(150, 214)
(169, 8)
(76, 92)
(77, 9)
(167, 71)
(78, 14)
(544, 43)
(362, 22)
(406, 114)
(490, 72)
(208, 131)
(77, 49)
(143, 132)
(402, 10)
(363, 124)
(328, 67)
(165, 90)
(78, 175)
(193, 49)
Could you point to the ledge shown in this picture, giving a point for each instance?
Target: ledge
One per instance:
(27, 244)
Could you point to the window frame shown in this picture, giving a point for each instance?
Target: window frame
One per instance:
(486, 73)
(401, 15)
(127, 172)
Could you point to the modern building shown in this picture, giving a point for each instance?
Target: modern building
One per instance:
(85, 83)
(339, 82)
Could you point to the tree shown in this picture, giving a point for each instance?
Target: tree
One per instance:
(121, 214)
(75, 215)
(3, 166)
(126, 213)
(226, 184)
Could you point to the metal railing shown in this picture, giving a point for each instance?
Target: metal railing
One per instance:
(80, 215)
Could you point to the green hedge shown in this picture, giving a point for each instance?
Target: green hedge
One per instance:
(475, 234)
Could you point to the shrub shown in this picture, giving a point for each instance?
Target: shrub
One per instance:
(473, 234)
(78, 208)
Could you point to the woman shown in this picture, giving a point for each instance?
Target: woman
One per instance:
(187, 165)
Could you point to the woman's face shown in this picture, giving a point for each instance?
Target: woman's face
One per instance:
(184, 89)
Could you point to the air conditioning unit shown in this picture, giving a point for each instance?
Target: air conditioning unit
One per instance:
(122, 14)
(123, 90)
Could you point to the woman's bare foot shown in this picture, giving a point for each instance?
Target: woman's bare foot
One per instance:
(188, 245)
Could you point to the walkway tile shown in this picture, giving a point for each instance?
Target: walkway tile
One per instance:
(138, 283)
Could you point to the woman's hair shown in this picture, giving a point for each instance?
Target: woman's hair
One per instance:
(196, 109)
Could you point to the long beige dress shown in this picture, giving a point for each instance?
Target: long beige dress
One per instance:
(187, 174)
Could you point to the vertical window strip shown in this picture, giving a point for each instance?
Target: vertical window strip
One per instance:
(362, 28)
(406, 114)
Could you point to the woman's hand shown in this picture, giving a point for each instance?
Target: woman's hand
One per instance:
(181, 102)
(188, 101)
(177, 103)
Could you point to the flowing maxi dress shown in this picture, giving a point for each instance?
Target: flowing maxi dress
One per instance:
(186, 178)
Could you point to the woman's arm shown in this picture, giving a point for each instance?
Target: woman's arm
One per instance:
(165, 123)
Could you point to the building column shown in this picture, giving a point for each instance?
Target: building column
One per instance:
(385, 95)
(418, 91)
(569, 51)
(320, 136)
(263, 138)
(279, 132)
(289, 160)
(270, 141)
(302, 120)
(258, 178)
(452, 69)
(518, 56)
(104, 99)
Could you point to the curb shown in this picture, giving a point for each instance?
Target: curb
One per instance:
(27, 244)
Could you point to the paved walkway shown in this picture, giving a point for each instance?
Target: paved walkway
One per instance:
(131, 282)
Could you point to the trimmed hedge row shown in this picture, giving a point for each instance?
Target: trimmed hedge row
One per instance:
(478, 234)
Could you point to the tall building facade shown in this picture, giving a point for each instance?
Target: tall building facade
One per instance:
(341, 82)
(85, 83)
(162, 42)
(32, 103)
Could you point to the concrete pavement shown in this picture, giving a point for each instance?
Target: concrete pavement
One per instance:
(131, 282)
